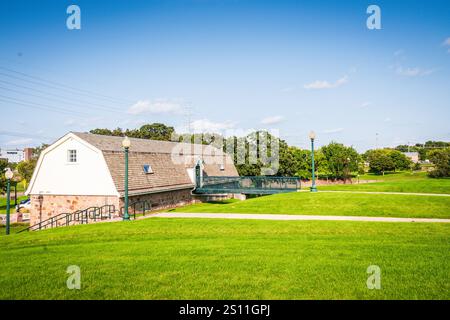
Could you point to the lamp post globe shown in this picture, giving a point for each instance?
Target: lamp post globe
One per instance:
(8, 175)
(312, 136)
(126, 144)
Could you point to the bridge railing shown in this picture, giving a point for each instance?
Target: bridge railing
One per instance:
(253, 184)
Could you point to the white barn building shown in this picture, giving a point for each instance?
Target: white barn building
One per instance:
(82, 170)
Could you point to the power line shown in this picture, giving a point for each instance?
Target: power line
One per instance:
(60, 100)
(40, 106)
(86, 92)
(23, 135)
(58, 95)
(42, 84)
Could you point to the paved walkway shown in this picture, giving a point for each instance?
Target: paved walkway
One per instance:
(386, 192)
(254, 216)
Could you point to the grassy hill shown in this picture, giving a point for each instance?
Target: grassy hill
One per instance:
(228, 259)
(323, 203)
(397, 182)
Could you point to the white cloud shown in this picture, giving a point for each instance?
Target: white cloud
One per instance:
(158, 106)
(387, 119)
(337, 130)
(272, 120)
(446, 43)
(19, 142)
(413, 72)
(205, 125)
(325, 84)
(365, 104)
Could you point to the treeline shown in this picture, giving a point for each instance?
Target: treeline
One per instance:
(423, 148)
(332, 161)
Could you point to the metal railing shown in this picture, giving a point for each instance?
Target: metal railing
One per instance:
(249, 184)
(72, 218)
(139, 207)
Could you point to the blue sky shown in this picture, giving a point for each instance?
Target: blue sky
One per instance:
(227, 65)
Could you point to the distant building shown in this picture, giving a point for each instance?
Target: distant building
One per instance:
(414, 156)
(27, 154)
(13, 155)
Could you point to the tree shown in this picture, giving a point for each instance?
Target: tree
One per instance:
(3, 166)
(341, 160)
(380, 161)
(37, 151)
(104, 132)
(155, 131)
(441, 160)
(26, 168)
(401, 162)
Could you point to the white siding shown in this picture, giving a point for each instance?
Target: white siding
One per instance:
(54, 175)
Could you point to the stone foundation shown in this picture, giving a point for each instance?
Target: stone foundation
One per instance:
(164, 200)
(323, 182)
(53, 205)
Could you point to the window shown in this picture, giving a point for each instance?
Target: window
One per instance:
(147, 168)
(72, 156)
(222, 167)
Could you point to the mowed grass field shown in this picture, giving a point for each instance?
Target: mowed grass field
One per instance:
(415, 182)
(228, 259)
(330, 203)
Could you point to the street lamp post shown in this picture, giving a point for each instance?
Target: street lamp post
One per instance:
(126, 143)
(312, 136)
(9, 174)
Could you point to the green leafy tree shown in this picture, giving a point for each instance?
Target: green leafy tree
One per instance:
(441, 160)
(104, 132)
(3, 166)
(341, 160)
(155, 131)
(380, 161)
(37, 151)
(401, 162)
(26, 169)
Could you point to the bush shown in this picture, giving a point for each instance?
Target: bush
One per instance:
(441, 160)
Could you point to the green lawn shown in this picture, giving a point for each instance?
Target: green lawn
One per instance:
(228, 259)
(397, 182)
(3, 204)
(323, 203)
(15, 227)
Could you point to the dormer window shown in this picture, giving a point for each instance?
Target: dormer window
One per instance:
(72, 156)
(222, 167)
(147, 168)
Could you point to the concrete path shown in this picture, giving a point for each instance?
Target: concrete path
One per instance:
(288, 217)
(386, 192)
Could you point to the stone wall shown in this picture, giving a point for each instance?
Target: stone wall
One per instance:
(164, 200)
(320, 182)
(53, 205)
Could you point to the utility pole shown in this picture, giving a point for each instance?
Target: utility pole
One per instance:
(376, 140)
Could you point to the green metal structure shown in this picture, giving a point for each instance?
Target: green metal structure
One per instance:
(244, 184)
